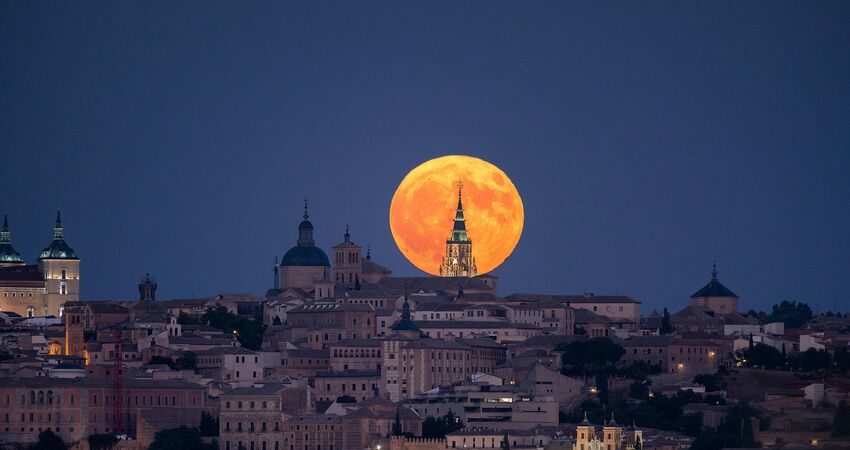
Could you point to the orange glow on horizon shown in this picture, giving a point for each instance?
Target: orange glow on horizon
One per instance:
(423, 209)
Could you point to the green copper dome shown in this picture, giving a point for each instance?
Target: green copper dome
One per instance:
(58, 249)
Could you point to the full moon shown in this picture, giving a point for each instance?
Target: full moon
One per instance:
(423, 209)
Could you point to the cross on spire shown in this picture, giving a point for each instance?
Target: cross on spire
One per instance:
(306, 216)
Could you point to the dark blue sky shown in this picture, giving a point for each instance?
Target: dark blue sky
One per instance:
(646, 138)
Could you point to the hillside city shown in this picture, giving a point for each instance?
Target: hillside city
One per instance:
(340, 354)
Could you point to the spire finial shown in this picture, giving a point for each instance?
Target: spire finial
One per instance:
(5, 235)
(459, 187)
(306, 216)
(58, 231)
(347, 234)
(714, 271)
(368, 253)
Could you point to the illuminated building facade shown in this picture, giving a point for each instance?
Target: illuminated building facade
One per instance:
(38, 290)
(459, 261)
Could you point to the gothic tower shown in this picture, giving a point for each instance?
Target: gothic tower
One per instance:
(8, 256)
(348, 264)
(458, 261)
(585, 434)
(61, 269)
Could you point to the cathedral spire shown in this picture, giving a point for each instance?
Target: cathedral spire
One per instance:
(714, 271)
(347, 235)
(306, 216)
(8, 255)
(305, 229)
(459, 230)
(58, 230)
(5, 235)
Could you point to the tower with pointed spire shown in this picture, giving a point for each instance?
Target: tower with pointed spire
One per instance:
(8, 256)
(715, 296)
(60, 267)
(459, 260)
(348, 263)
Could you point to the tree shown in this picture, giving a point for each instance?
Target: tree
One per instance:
(506, 443)
(249, 332)
(589, 357)
(185, 319)
(188, 361)
(209, 425)
(639, 391)
(346, 399)
(397, 431)
(439, 427)
(48, 440)
(162, 360)
(638, 443)
(761, 355)
(812, 360)
(666, 325)
(357, 282)
(712, 382)
(182, 438)
(841, 421)
(793, 314)
(102, 441)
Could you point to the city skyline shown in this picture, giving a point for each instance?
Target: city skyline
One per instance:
(634, 181)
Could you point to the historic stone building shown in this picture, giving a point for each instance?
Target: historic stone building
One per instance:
(305, 264)
(611, 436)
(38, 290)
(459, 260)
(716, 297)
(251, 418)
(76, 408)
(348, 263)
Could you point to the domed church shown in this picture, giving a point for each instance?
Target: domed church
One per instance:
(305, 264)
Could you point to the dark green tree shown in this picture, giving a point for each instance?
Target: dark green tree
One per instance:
(506, 443)
(48, 440)
(841, 421)
(761, 355)
(182, 438)
(666, 325)
(185, 319)
(346, 399)
(102, 441)
(638, 443)
(439, 427)
(356, 282)
(397, 430)
(248, 331)
(812, 360)
(793, 314)
(589, 357)
(209, 425)
(187, 361)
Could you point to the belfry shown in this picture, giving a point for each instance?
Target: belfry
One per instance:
(459, 261)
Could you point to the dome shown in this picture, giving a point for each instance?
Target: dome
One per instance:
(305, 255)
(58, 249)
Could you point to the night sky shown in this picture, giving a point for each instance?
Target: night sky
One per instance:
(646, 138)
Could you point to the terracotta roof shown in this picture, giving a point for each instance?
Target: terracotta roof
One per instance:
(571, 298)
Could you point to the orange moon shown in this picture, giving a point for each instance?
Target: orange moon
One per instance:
(423, 209)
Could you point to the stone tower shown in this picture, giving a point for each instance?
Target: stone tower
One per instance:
(459, 261)
(348, 263)
(75, 327)
(61, 269)
(8, 256)
(585, 434)
(613, 435)
(147, 289)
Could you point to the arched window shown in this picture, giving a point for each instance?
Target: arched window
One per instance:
(49, 397)
(32, 397)
(40, 397)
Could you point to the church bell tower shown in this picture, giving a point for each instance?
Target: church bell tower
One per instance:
(459, 261)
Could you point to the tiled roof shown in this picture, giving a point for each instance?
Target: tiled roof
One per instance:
(585, 298)
(434, 283)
